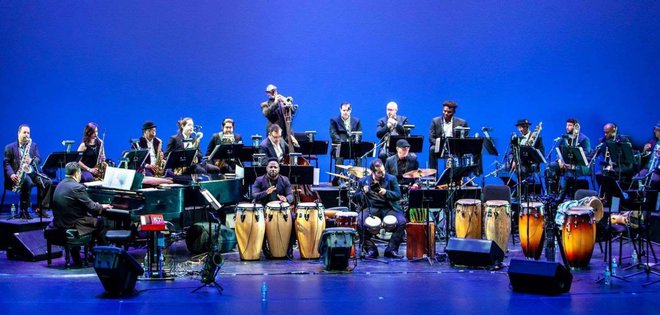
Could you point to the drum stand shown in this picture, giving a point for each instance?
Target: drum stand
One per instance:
(647, 267)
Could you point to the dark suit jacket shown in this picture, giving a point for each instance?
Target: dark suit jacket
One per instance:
(262, 183)
(274, 114)
(217, 140)
(176, 143)
(266, 147)
(71, 204)
(436, 128)
(338, 132)
(381, 126)
(11, 162)
(142, 143)
(392, 167)
(390, 184)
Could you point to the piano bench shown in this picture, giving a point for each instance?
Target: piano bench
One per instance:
(119, 237)
(68, 239)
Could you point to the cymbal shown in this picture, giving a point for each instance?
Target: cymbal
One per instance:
(339, 175)
(422, 172)
(359, 172)
(343, 167)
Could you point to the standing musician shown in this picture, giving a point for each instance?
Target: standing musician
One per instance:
(21, 157)
(274, 110)
(402, 162)
(186, 138)
(154, 162)
(572, 138)
(341, 130)
(273, 146)
(650, 175)
(380, 197)
(92, 162)
(226, 136)
(390, 125)
(444, 127)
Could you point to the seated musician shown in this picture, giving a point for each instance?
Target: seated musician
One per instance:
(443, 127)
(341, 130)
(187, 139)
(73, 209)
(25, 152)
(273, 146)
(226, 136)
(155, 146)
(92, 162)
(525, 139)
(612, 165)
(402, 162)
(649, 176)
(380, 197)
(390, 125)
(572, 138)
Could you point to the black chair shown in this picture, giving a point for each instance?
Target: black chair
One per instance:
(499, 192)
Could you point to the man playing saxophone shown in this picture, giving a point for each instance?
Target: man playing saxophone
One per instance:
(226, 136)
(22, 172)
(154, 162)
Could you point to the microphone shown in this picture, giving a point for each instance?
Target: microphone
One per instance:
(514, 139)
(486, 128)
(134, 140)
(557, 139)
(67, 142)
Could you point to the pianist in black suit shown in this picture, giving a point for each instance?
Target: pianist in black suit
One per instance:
(73, 209)
(273, 146)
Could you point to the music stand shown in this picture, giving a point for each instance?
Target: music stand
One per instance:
(57, 160)
(423, 198)
(134, 159)
(354, 150)
(298, 174)
(316, 147)
(463, 146)
(489, 145)
(416, 143)
(447, 178)
(180, 158)
(225, 151)
(621, 154)
(246, 153)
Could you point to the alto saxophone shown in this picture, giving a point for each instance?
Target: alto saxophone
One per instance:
(158, 168)
(24, 167)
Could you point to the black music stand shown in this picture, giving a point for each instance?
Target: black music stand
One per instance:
(57, 160)
(572, 155)
(354, 150)
(246, 153)
(180, 158)
(463, 146)
(423, 198)
(416, 143)
(489, 145)
(316, 147)
(227, 151)
(621, 154)
(134, 159)
(298, 174)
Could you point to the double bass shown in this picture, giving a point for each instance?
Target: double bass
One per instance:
(302, 193)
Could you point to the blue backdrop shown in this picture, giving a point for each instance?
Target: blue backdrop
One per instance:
(119, 63)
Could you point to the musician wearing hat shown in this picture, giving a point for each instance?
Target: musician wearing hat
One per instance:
(154, 145)
(444, 127)
(401, 163)
(525, 138)
(275, 109)
(390, 125)
(379, 197)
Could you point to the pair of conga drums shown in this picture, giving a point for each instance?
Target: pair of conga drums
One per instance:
(496, 220)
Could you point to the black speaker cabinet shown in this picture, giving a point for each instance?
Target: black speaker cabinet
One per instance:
(540, 277)
(117, 270)
(30, 246)
(473, 252)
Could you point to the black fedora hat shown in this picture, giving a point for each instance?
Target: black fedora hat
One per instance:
(523, 122)
(148, 125)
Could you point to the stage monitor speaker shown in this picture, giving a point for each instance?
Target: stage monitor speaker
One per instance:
(473, 252)
(540, 277)
(30, 246)
(117, 270)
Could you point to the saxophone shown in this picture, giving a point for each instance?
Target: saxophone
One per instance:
(24, 168)
(158, 168)
(655, 158)
(100, 161)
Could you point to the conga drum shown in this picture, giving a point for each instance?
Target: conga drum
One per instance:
(578, 236)
(310, 223)
(468, 218)
(530, 228)
(278, 228)
(497, 222)
(250, 230)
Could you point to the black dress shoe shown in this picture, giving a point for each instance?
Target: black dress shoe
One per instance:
(392, 254)
(372, 252)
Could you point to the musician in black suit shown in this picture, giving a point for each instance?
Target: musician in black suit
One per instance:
(444, 127)
(73, 209)
(274, 111)
(379, 196)
(341, 130)
(226, 136)
(402, 162)
(186, 138)
(390, 125)
(152, 143)
(572, 138)
(612, 163)
(12, 162)
(273, 146)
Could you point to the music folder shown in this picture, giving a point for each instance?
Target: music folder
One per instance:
(572, 155)
(416, 143)
(226, 151)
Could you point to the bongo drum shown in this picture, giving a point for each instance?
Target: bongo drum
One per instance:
(278, 228)
(250, 230)
(372, 224)
(389, 223)
(530, 228)
(310, 223)
(578, 236)
(497, 222)
(468, 218)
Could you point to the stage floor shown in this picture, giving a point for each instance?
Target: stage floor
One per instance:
(397, 286)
